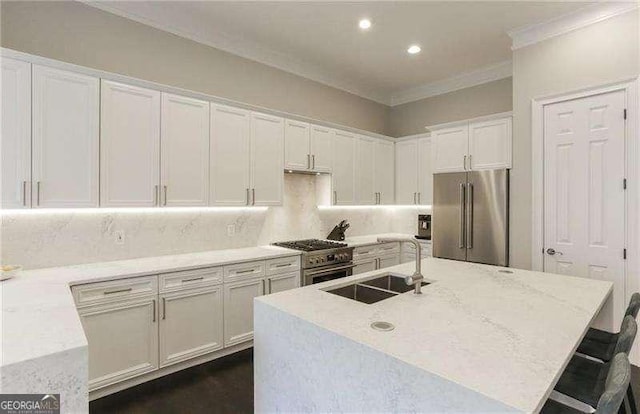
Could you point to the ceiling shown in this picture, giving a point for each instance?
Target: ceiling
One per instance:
(322, 41)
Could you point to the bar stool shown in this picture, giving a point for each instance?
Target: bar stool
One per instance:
(611, 400)
(584, 379)
(601, 344)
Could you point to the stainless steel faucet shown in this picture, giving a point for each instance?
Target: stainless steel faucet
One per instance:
(416, 278)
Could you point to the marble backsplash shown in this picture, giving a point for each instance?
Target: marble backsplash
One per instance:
(38, 239)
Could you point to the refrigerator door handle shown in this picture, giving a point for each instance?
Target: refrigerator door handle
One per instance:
(469, 216)
(461, 222)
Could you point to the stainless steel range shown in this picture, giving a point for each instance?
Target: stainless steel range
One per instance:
(322, 260)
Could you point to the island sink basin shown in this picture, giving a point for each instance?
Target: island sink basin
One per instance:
(374, 290)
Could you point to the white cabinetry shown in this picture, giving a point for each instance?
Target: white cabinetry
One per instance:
(408, 251)
(414, 178)
(280, 283)
(297, 153)
(129, 146)
(425, 173)
(267, 152)
(321, 148)
(472, 145)
(65, 128)
(238, 309)
(384, 172)
(230, 158)
(364, 171)
(375, 257)
(184, 151)
(15, 134)
(343, 179)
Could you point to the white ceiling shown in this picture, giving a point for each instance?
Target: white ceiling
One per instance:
(322, 41)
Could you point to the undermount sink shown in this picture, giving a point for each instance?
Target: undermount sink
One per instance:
(374, 290)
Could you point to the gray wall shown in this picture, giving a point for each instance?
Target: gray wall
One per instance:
(599, 54)
(486, 99)
(76, 33)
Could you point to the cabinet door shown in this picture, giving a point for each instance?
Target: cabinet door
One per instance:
(365, 266)
(129, 146)
(238, 309)
(406, 172)
(344, 156)
(450, 148)
(267, 160)
(297, 153)
(384, 171)
(230, 163)
(425, 173)
(123, 340)
(184, 151)
(388, 261)
(16, 134)
(283, 282)
(321, 148)
(364, 171)
(490, 144)
(65, 138)
(190, 324)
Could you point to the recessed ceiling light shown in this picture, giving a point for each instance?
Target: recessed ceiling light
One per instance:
(413, 49)
(364, 24)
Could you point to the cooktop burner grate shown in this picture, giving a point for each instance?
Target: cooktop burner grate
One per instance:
(310, 245)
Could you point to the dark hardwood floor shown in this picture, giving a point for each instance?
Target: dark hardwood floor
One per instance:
(221, 386)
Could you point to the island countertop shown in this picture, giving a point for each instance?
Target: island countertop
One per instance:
(507, 336)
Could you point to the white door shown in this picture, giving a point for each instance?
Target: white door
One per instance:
(184, 151)
(129, 146)
(343, 178)
(238, 309)
(425, 172)
(321, 148)
(65, 127)
(584, 200)
(280, 283)
(388, 261)
(230, 164)
(190, 324)
(384, 171)
(490, 144)
(297, 154)
(123, 340)
(364, 171)
(365, 266)
(407, 172)
(450, 149)
(267, 160)
(16, 134)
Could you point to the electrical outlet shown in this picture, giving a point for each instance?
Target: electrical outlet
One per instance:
(119, 236)
(231, 229)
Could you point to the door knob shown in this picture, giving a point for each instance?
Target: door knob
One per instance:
(553, 252)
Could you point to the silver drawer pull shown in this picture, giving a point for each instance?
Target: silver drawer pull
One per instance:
(245, 271)
(193, 279)
(111, 292)
(283, 265)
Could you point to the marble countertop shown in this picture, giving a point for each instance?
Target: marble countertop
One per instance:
(357, 241)
(39, 316)
(507, 336)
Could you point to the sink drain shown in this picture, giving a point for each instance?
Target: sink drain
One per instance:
(383, 326)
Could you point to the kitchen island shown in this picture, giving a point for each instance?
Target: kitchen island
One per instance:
(478, 339)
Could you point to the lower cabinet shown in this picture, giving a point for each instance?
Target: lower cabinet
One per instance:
(123, 340)
(375, 257)
(408, 253)
(238, 309)
(365, 266)
(284, 282)
(190, 324)
(389, 261)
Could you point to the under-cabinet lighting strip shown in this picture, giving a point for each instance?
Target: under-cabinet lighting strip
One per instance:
(115, 210)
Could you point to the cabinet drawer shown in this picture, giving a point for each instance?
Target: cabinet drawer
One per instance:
(388, 248)
(114, 290)
(190, 279)
(365, 252)
(282, 265)
(240, 271)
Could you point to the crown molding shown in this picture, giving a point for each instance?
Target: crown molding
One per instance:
(465, 80)
(252, 51)
(529, 35)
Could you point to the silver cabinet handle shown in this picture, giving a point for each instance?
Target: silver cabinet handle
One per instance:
(165, 194)
(239, 272)
(308, 161)
(469, 216)
(264, 289)
(193, 279)
(470, 167)
(335, 197)
(283, 265)
(37, 193)
(464, 163)
(111, 292)
(253, 196)
(313, 162)
(164, 308)
(553, 252)
(248, 199)
(24, 193)
(269, 285)
(154, 310)
(419, 197)
(461, 219)
(155, 195)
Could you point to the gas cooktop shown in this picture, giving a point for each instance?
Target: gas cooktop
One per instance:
(310, 245)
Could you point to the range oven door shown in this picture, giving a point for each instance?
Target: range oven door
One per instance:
(313, 276)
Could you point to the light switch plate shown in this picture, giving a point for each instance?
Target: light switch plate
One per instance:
(119, 236)
(231, 229)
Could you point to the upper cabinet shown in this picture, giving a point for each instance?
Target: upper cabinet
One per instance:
(343, 177)
(184, 151)
(230, 158)
(307, 147)
(364, 171)
(129, 146)
(16, 134)
(473, 145)
(267, 160)
(321, 148)
(65, 136)
(384, 171)
(425, 172)
(414, 177)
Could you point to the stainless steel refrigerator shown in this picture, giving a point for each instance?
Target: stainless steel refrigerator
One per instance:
(471, 216)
